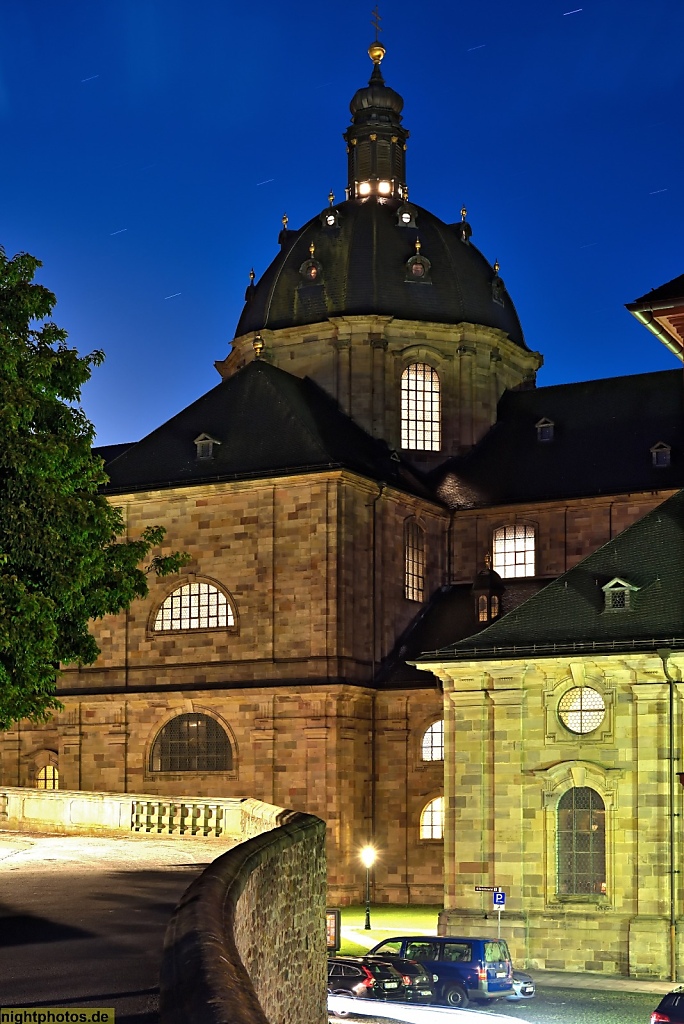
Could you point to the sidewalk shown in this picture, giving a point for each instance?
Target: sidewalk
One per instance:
(598, 982)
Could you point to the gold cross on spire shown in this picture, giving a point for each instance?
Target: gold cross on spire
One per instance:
(375, 22)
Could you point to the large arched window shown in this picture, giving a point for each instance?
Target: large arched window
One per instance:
(432, 819)
(194, 606)
(414, 561)
(581, 838)
(513, 551)
(420, 415)
(46, 771)
(192, 743)
(433, 742)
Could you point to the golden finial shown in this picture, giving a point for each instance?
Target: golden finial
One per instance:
(285, 220)
(406, 193)
(258, 345)
(331, 197)
(252, 275)
(417, 245)
(496, 266)
(312, 250)
(464, 213)
(376, 51)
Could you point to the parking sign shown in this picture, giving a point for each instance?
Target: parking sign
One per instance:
(499, 899)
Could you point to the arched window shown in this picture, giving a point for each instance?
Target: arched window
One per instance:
(513, 553)
(432, 819)
(191, 743)
(433, 742)
(414, 561)
(47, 777)
(581, 838)
(194, 606)
(420, 416)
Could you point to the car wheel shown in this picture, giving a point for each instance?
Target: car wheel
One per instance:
(456, 996)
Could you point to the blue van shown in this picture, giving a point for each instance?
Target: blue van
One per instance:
(462, 968)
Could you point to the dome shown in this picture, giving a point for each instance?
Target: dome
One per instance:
(376, 97)
(363, 268)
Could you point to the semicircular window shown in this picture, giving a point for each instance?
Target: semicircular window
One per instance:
(191, 743)
(581, 709)
(195, 606)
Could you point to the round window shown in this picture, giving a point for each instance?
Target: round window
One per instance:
(418, 270)
(581, 709)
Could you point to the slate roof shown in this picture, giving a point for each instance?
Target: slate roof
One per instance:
(673, 289)
(109, 452)
(569, 615)
(449, 615)
(268, 423)
(603, 433)
(363, 271)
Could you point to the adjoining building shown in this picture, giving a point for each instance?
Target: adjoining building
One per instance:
(375, 441)
(563, 761)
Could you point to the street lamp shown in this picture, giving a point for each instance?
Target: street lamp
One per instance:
(368, 855)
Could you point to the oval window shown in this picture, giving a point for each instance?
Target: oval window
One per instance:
(581, 709)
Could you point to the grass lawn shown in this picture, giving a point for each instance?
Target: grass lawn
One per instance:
(385, 922)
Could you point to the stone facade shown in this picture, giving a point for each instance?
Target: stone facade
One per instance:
(508, 763)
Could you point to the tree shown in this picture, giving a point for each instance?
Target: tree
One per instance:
(62, 559)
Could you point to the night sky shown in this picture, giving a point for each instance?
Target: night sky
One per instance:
(150, 147)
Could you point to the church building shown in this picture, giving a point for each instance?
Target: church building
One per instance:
(375, 476)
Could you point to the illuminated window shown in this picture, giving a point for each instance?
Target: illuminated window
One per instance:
(514, 551)
(420, 415)
(482, 609)
(191, 743)
(414, 561)
(581, 839)
(47, 777)
(433, 742)
(581, 709)
(432, 819)
(195, 606)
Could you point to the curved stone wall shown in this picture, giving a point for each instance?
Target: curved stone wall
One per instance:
(246, 944)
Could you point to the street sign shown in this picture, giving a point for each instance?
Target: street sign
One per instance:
(488, 888)
(499, 898)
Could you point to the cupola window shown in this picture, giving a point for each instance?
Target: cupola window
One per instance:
(420, 408)
(618, 595)
(660, 454)
(418, 267)
(204, 445)
(544, 428)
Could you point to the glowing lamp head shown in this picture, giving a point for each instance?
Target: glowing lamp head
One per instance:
(368, 856)
(406, 217)
(384, 188)
(364, 188)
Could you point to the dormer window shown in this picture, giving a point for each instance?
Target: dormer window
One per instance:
(618, 595)
(544, 430)
(660, 454)
(205, 446)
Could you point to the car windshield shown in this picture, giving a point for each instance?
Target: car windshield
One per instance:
(495, 952)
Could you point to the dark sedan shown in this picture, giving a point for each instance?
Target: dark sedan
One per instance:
(364, 978)
(418, 987)
(670, 1009)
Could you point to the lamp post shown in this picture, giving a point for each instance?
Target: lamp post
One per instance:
(368, 855)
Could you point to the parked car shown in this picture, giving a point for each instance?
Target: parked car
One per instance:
(523, 987)
(670, 1008)
(363, 978)
(462, 968)
(418, 987)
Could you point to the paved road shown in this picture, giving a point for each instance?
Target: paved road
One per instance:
(82, 919)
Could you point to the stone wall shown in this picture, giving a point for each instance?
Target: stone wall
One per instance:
(246, 943)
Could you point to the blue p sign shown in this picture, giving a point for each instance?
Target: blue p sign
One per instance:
(499, 899)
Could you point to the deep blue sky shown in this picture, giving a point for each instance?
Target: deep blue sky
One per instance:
(139, 139)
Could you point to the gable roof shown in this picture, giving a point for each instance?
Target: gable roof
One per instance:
(673, 289)
(569, 616)
(268, 423)
(602, 438)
